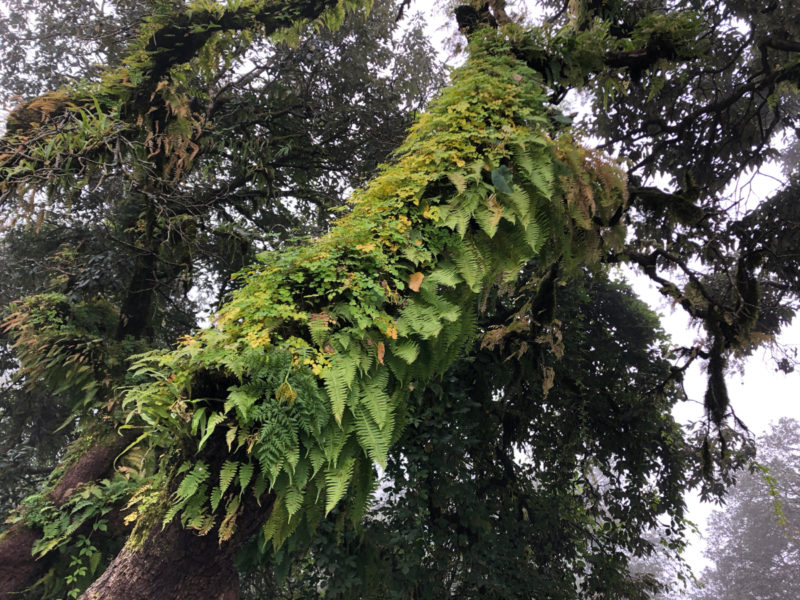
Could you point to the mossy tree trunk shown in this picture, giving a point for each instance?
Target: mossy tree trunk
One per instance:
(177, 564)
(19, 568)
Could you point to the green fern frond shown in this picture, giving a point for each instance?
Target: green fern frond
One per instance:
(336, 481)
(521, 203)
(226, 474)
(294, 500)
(192, 480)
(407, 350)
(214, 420)
(338, 379)
(374, 398)
(374, 439)
(216, 496)
(245, 475)
(469, 264)
(445, 274)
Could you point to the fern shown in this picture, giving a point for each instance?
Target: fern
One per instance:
(216, 496)
(364, 479)
(226, 475)
(327, 338)
(259, 486)
(214, 420)
(407, 350)
(445, 274)
(294, 500)
(338, 379)
(335, 438)
(336, 481)
(469, 265)
(420, 319)
(373, 397)
(192, 480)
(373, 439)
(228, 525)
(521, 202)
(447, 311)
(245, 475)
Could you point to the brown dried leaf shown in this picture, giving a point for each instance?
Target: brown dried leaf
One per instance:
(415, 281)
(381, 352)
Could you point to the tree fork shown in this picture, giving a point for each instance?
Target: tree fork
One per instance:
(18, 567)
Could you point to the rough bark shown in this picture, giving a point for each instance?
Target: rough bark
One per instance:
(18, 567)
(137, 309)
(176, 564)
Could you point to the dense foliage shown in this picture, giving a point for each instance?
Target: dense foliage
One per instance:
(95, 250)
(446, 328)
(461, 514)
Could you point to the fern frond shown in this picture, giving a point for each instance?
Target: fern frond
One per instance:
(228, 525)
(338, 379)
(294, 500)
(407, 350)
(226, 474)
(245, 475)
(336, 482)
(470, 267)
(213, 420)
(419, 319)
(374, 439)
(374, 398)
(445, 274)
(216, 496)
(192, 480)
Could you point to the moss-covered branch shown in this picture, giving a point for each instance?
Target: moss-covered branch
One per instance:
(322, 343)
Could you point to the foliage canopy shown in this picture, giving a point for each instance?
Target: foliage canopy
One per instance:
(219, 130)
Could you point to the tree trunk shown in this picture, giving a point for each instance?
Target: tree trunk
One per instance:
(176, 564)
(18, 567)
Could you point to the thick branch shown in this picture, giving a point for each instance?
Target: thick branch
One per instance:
(177, 564)
(18, 567)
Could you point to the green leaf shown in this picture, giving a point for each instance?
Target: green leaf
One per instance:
(407, 350)
(245, 475)
(501, 176)
(214, 420)
(226, 474)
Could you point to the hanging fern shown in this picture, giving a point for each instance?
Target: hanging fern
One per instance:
(325, 341)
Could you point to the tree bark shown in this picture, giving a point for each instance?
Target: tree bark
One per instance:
(176, 564)
(18, 567)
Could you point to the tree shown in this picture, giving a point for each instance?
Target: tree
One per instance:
(215, 223)
(84, 249)
(306, 379)
(753, 542)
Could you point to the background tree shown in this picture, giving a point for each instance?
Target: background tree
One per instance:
(753, 542)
